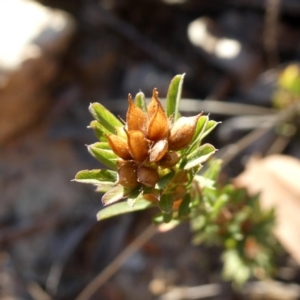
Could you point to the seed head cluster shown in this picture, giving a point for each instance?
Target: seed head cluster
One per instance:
(148, 142)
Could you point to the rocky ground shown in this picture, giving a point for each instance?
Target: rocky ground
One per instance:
(99, 51)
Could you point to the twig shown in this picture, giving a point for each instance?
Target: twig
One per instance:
(40, 224)
(209, 105)
(115, 265)
(271, 31)
(230, 151)
(196, 292)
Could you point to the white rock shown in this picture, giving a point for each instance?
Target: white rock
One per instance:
(32, 39)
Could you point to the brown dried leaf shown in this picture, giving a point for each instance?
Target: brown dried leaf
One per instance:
(158, 150)
(277, 179)
(148, 176)
(119, 146)
(138, 145)
(127, 173)
(135, 117)
(182, 132)
(169, 160)
(158, 123)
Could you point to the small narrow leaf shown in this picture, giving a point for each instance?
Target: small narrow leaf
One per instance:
(184, 207)
(99, 130)
(219, 204)
(134, 197)
(105, 117)
(213, 169)
(115, 194)
(106, 157)
(122, 208)
(174, 96)
(140, 101)
(200, 128)
(104, 186)
(166, 202)
(163, 181)
(211, 125)
(199, 156)
(167, 217)
(96, 176)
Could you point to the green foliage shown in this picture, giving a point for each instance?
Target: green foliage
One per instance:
(122, 208)
(140, 101)
(102, 152)
(228, 217)
(174, 96)
(182, 187)
(287, 90)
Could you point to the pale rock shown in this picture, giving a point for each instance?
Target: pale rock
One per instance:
(276, 179)
(33, 38)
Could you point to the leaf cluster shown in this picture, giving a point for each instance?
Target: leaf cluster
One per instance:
(187, 190)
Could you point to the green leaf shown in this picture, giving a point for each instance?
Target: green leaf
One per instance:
(123, 208)
(235, 268)
(105, 117)
(174, 96)
(167, 217)
(105, 156)
(219, 204)
(115, 194)
(105, 186)
(205, 182)
(213, 170)
(200, 128)
(134, 197)
(211, 125)
(166, 202)
(96, 176)
(140, 101)
(199, 156)
(163, 181)
(99, 130)
(184, 208)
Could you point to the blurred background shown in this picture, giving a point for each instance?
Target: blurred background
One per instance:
(241, 63)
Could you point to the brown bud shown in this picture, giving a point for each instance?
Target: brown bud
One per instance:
(138, 145)
(135, 117)
(150, 197)
(176, 204)
(127, 173)
(180, 192)
(169, 160)
(180, 177)
(158, 123)
(182, 132)
(158, 150)
(119, 146)
(148, 176)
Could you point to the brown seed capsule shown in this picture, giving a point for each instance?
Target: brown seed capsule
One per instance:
(158, 123)
(150, 197)
(135, 117)
(176, 204)
(169, 160)
(182, 132)
(180, 192)
(158, 150)
(180, 177)
(147, 176)
(119, 146)
(128, 174)
(138, 145)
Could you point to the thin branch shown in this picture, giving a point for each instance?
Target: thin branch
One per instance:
(232, 150)
(115, 265)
